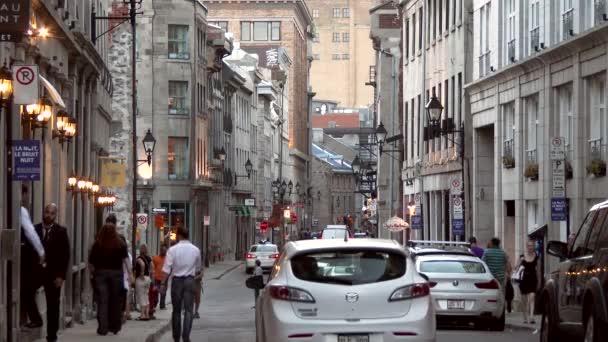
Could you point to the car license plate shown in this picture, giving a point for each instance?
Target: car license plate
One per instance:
(455, 304)
(353, 338)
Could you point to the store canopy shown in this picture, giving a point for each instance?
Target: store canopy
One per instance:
(53, 92)
(396, 224)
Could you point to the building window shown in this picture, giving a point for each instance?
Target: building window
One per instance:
(178, 42)
(564, 108)
(407, 39)
(447, 14)
(484, 40)
(413, 34)
(177, 158)
(336, 13)
(316, 56)
(531, 105)
(597, 13)
(346, 37)
(510, 32)
(178, 98)
(508, 131)
(598, 125)
(260, 31)
(245, 31)
(534, 26)
(346, 12)
(316, 38)
(345, 56)
(567, 19)
(221, 24)
(335, 57)
(440, 17)
(315, 13)
(335, 37)
(420, 16)
(177, 215)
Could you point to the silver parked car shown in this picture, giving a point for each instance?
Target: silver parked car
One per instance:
(353, 290)
(462, 287)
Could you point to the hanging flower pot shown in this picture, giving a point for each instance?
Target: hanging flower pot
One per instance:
(508, 162)
(531, 171)
(597, 167)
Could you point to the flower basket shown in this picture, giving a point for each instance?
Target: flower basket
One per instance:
(531, 171)
(597, 167)
(508, 162)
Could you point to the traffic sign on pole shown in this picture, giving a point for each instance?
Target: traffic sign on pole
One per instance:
(558, 148)
(26, 85)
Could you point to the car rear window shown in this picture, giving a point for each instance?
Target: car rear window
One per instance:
(452, 266)
(334, 233)
(263, 248)
(349, 267)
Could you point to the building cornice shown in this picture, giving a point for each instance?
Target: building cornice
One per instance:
(584, 41)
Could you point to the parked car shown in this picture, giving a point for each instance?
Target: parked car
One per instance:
(336, 231)
(359, 290)
(361, 235)
(575, 298)
(266, 253)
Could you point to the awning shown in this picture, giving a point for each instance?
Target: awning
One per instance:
(53, 92)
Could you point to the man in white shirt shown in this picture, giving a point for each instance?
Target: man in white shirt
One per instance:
(183, 264)
(32, 257)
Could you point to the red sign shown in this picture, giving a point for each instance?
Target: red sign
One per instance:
(159, 220)
(263, 225)
(294, 218)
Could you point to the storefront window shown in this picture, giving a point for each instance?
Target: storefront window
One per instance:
(177, 215)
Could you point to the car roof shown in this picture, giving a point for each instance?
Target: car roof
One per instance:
(300, 246)
(600, 206)
(263, 244)
(336, 226)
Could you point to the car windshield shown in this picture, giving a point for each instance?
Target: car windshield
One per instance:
(263, 248)
(451, 266)
(349, 267)
(332, 233)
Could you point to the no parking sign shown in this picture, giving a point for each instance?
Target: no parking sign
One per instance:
(142, 221)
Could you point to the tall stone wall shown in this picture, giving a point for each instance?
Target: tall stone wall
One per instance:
(120, 139)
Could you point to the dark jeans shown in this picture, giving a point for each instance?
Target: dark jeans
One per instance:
(182, 297)
(29, 287)
(53, 298)
(161, 292)
(110, 296)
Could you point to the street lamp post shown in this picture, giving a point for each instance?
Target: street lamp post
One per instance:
(434, 108)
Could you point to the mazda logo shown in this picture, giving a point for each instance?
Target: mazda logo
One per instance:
(352, 297)
(455, 283)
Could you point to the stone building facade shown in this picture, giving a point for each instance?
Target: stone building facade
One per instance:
(267, 28)
(385, 34)
(79, 82)
(436, 45)
(342, 51)
(541, 75)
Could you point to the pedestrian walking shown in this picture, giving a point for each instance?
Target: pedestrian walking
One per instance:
(498, 262)
(477, 251)
(161, 289)
(528, 281)
(32, 259)
(142, 283)
(56, 245)
(183, 263)
(198, 281)
(107, 261)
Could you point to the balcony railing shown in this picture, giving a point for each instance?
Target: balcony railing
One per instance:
(595, 149)
(531, 157)
(568, 23)
(484, 64)
(511, 51)
(535, 40)
(600, 11)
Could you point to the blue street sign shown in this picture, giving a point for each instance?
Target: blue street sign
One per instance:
(417, 222)
(559, 209)
(458, 227)
(26, 160)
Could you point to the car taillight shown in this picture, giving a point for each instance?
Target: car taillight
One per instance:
(410, 292)
(290, 294)
(490, 285)
(275, 256)
(432, 283)
(250, 256)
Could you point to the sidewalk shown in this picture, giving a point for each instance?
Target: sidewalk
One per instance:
(515, 321)
(136, 331)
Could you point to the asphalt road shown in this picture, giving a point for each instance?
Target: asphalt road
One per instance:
(227, 316)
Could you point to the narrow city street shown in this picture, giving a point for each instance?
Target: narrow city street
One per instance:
(226, 316)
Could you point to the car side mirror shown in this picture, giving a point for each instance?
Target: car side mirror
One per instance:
(558, 249)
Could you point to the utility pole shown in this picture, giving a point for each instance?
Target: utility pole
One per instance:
(281, 162)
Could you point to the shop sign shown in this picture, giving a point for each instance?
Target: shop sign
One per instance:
(14, 19)
(26, 162)
(559, 209)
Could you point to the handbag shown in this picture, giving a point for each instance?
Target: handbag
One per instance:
(518, 276)
(255, 282)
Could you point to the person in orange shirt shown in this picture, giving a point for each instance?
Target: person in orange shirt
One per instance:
(161, 288)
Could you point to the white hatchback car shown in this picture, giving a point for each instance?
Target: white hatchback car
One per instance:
(358, 290)
(266, 253)
(463, 289)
